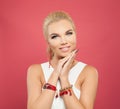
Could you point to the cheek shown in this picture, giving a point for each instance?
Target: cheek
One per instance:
(73, 43)
(52, 44)
(73, 40)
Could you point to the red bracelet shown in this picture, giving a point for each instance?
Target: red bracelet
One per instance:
(49, 86)
(65, 92)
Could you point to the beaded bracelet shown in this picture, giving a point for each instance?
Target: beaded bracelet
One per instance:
(49, 86)
(66, 88)
(66, 91)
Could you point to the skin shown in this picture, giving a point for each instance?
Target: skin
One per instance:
(62, 40)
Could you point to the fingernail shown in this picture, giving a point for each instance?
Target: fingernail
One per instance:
(76, 50)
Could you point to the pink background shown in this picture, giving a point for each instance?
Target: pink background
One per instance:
(22, 44)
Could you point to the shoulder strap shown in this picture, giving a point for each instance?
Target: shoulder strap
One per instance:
(75, 72)
(46, 70)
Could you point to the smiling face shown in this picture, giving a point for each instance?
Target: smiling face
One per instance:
(61, 38)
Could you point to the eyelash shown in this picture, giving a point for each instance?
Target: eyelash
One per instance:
(53, 36)
(69, 33)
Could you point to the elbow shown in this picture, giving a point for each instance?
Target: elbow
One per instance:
(34, 106)
(88, 107)
(31, 106)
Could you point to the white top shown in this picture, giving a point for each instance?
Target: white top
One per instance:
(58, 103)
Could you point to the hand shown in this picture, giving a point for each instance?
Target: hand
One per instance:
(65, 64)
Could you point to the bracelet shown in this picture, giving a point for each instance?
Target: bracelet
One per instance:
(66, 88)
(49, 86)
(66, 91)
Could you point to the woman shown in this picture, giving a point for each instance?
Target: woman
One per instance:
(63, 82)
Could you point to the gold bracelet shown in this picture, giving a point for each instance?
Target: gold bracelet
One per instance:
(66, 88)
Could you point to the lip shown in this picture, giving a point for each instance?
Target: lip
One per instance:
(65, 48)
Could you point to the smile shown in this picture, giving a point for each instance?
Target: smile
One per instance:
(65, 49)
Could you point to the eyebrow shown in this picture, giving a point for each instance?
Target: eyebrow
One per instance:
(69, 30)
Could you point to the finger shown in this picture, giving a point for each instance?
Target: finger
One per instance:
(72, 57)
(68, 58)
(64, 60)
(68, 63)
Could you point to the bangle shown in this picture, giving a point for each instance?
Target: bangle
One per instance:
(49, 86)
(66, 88)
(66, 91)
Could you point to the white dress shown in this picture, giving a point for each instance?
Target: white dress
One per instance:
(58, 103)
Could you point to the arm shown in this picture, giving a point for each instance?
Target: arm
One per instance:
(38, 99)
(88, 90)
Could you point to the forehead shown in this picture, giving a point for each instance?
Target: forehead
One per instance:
(59, 26)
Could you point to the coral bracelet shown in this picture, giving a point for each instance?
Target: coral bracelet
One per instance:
(49, 86)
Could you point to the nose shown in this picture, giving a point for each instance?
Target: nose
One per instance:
(63, 40)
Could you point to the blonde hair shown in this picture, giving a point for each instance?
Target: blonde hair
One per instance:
(55, 17)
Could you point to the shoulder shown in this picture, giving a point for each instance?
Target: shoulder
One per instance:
(34, 71)
(34, 68)
(88, 69)
(90, 72)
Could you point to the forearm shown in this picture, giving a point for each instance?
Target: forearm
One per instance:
(44, 101)
(71, 102)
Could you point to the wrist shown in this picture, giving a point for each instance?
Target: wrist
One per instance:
(55, 74)
(49, 86)
(64, 82)
(63, 79)
(66, 91)
(53, 79)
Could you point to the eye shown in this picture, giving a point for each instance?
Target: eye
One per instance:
(54, 36)
(69, 33)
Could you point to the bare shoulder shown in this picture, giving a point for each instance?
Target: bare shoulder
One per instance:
(34, 71)
(90, 71)
(34, 68)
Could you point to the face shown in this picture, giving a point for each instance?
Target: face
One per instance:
(61, 38)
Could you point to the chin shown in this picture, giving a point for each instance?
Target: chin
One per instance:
(62, 55)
